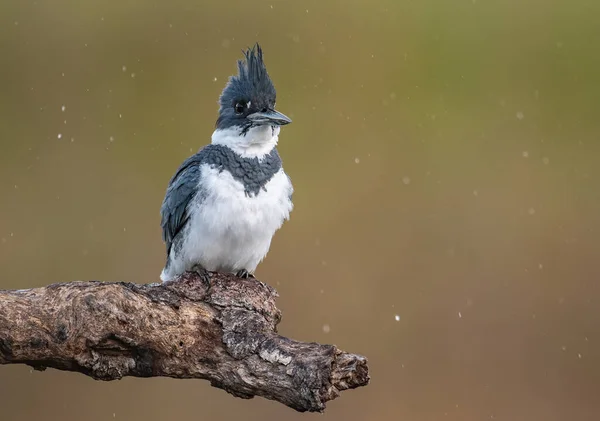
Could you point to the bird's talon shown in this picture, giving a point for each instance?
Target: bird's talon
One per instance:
(202, 273)
(244, 274)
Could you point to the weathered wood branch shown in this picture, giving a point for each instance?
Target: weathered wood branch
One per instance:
(225, 333)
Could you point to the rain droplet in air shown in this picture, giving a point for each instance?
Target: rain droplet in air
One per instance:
(459, 315)
(520, 115)
(326, 329)
(531, 211)
(111, 139)
(397, 317)
(546, 160)
(406, 180)
(59, 135)
(124, 68)
(357, 160)
(525, 154)
(63, 108)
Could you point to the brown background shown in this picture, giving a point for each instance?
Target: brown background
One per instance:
(445, 156)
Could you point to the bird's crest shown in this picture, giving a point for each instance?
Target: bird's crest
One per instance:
(252, 70)
(252, 81)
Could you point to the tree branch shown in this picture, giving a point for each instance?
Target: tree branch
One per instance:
(225, 333)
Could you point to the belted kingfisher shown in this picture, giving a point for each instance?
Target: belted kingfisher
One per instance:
(224, 204)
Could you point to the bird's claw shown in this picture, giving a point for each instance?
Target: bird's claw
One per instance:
(244, 274)
(202, 273)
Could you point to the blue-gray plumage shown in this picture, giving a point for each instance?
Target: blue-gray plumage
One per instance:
(224, 203)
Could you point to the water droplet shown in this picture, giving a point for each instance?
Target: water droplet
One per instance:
(406, 180)
(124, 68)
(356, 160)
(326, 329)
(397, 317)
(546, 160)
(63, 108)
(531, 211)
(459, 315)
(133, 75)
(111, 139)
(540, 266)
(59, 135)
(525, 154)
(475, 193)
(520, 115)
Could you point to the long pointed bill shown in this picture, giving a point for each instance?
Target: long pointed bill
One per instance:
(269, 117)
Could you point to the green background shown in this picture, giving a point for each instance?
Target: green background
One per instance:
(445, 156)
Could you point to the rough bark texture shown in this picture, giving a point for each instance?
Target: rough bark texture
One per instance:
(225, 333)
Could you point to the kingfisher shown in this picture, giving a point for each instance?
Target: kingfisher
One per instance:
(224, 204)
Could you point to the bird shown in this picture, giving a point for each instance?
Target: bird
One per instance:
(224, 204)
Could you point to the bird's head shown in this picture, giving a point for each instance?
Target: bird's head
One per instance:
(248, 121)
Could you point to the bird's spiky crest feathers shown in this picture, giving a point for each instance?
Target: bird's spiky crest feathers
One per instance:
(252, 82)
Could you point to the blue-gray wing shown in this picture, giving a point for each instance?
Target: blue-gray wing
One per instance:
(182, 188)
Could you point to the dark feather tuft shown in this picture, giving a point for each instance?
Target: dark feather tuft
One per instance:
(252, 83)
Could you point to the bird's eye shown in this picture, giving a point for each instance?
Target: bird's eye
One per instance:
(240, 107)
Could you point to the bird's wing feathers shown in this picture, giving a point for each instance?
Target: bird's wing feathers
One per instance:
(182, 189)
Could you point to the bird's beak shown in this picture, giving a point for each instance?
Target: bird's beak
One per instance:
(269, 117)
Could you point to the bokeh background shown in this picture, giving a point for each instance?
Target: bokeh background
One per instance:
(446, 161)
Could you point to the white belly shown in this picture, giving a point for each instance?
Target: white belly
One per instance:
(229, 230)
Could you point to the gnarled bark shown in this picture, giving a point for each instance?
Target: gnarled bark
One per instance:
(225, 332)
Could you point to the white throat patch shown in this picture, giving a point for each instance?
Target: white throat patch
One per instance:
(257, 142)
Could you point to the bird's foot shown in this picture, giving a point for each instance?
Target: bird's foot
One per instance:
(244, 274)
(202, 273)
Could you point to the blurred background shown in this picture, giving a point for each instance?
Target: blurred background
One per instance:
(445, 156)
